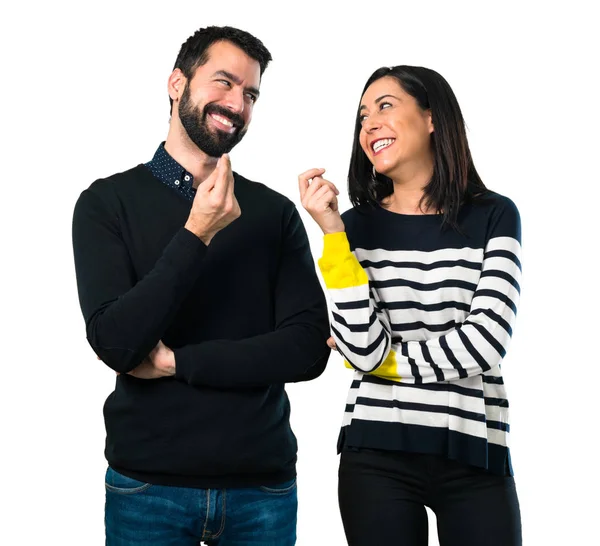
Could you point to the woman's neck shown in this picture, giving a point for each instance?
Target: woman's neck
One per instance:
(409, 185)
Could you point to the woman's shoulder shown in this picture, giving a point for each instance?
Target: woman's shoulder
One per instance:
(361, 219)
(493, 201)
(358, 213)
(498, 212)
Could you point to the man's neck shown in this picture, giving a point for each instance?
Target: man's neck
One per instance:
(179, 146)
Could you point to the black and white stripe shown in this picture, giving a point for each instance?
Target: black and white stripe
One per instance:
(445, 314)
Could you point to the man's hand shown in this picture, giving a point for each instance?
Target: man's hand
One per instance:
(319, 198)
(331, 344)
(159, 363)
(215, 205)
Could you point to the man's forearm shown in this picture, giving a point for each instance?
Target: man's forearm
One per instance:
(291, 354)
(126, 317)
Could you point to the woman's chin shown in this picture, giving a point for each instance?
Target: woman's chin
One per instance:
(383, 170)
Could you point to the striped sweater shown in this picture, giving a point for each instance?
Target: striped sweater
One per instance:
(424, 316)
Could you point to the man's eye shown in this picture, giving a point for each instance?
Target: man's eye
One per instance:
(252, 97)
(225, 82)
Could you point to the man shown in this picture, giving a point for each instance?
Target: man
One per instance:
(198, 288)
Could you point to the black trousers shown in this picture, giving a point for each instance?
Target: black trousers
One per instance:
(383, 495)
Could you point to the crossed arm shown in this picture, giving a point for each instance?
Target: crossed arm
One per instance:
(363, 334)
(127, 317)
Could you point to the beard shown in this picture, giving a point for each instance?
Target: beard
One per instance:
(212, 141)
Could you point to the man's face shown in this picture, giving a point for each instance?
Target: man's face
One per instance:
(215, 108)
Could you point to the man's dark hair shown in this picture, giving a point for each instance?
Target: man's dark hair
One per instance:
(194, 51)
(454, 179)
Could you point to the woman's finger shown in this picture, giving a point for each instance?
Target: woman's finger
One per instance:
(323, 199)
(303, 180)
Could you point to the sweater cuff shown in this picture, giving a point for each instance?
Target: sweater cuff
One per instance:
(182, 365)
(338, 265)
(185, 252)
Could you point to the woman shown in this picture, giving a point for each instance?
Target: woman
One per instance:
(423, 276)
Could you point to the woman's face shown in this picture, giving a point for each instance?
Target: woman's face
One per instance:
(395, 130)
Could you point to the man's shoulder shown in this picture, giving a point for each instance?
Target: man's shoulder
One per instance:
(110, 191)
(112, 183)
(114, 188)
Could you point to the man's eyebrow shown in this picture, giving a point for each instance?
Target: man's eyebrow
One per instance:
(236, 80)
(377, 101)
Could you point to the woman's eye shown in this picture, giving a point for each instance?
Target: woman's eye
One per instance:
(361, 119)
(384, 105)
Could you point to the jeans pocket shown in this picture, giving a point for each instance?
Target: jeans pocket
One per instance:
(118, 483)
(280, 488)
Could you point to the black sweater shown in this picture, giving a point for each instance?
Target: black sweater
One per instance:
(244, 316)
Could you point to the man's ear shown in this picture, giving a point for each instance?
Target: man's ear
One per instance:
(176, 84)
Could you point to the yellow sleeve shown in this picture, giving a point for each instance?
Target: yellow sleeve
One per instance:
(338, 265)
(388, 369)
(341, 269)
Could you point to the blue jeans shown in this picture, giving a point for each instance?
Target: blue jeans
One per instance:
(139, 513)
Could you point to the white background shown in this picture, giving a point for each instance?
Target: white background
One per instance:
(84, 96)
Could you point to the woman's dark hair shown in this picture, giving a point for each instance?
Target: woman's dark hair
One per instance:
(194, 51)
(454, 178)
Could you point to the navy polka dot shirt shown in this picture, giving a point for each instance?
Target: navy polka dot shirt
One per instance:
(171, 173)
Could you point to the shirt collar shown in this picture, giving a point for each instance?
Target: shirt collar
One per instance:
(171, 173)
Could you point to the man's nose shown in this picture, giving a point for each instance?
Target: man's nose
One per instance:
(234, 101)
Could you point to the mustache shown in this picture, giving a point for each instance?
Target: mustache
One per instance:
(236, 119)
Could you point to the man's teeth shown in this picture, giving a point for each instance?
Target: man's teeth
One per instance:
(381, 144)
(223, 120)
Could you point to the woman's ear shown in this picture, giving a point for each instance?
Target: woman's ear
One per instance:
(429, 121)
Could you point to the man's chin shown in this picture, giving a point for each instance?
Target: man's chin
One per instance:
(216, 142)
(214, 151)
(226, 145)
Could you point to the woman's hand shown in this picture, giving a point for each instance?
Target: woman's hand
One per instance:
(319, 198)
